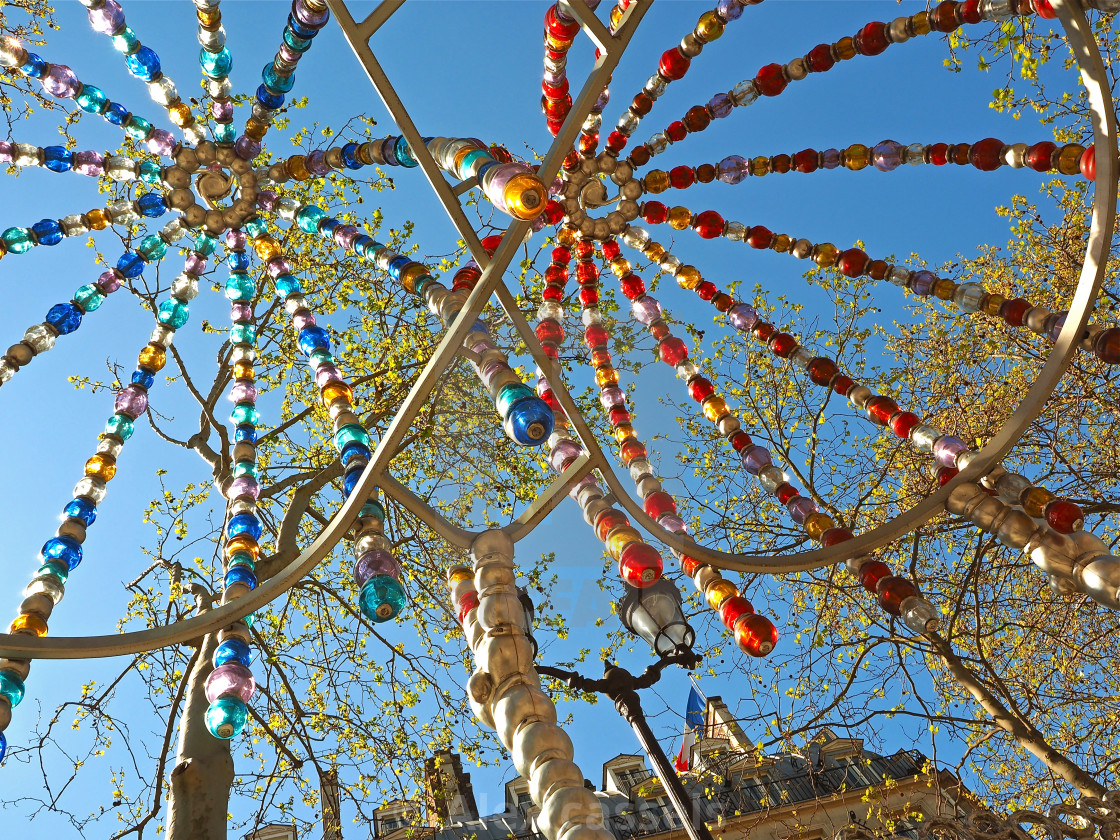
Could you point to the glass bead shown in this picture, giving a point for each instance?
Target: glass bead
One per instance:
(215, 64)
(1064, 517)
(640, 565)
(173, 313)
(240, 574)
(946, 449)
(144, 64)
(101, 466)
(923, 437)
(244, 523)
(968, 296)
(47, 232)
(82, 509)
(732, 169)
(18, 240)
(755, 459)
(233, 651)
(243, 334)
(755, 635)
(887, 156)
(11, 687)
(63, 549)
(40, 338)
(58, 158)
(131, 401)
(245, 414)
(530, 422)
(382, 598)
(744, 93)
(60, 81)
(226, 717)
(47, 585)
(29, 623)
(25, 154)
(1035, 500)
(231, 679)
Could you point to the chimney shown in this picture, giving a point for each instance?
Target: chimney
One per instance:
(720, 723)
(449, 795)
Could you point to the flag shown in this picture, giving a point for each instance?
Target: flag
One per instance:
(693, 723)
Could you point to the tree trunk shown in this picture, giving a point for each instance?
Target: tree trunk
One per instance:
(203, 773)
(1027, 735)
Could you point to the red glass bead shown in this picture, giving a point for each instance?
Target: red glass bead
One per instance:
(490, 243)
(708, 224)
(706, 290)
(676, 131)
(619, 416)
(585, 249)
(786, 491)
(571, 159)
(939, 154)
(659, 330)
(970, 11)
(944, 17)
(1106, 346)
(835, 536)
(1044, 9)
(468, 602)
(616, 142)
(556, 109)
(820, 58)
(700, 389)
(1014, 311)
(596, 336)
(682, 177)
(780, 164)
(673, 65)
(655, 212)
(632, 450)
(893, 591)
(552, 293)
(550, 331)
(551, 350)
(641, 104)
(632, 286)
(756, 635)
(872, 39)
(842, 384)
(550, 399)
(639, 155)
(764, 331)
(1089, 163)
(741, 440)
(658, 504)
(821, 370)
(553, 212)
(697, 118)
(734, 608)
(690, 565)
(759, 237)
(880, 409)
(871, 573)
(588, 143)
(588, 296)
(705, 173)
(608, 521)
(672, 350)
(806, 160)
(945, 475)
(611, 250)
(1038, 156)
(555, 91)
(904, 423)
(1064, 517)
(771, 80)
(561, 255)
(640, 565)
(587, 273)
(783, 344)
(985, 155)
(558, 28)
(853, 262)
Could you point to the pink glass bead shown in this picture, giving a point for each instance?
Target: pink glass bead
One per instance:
(756, 459)
(742, 317)
(482, 346)
(60, 81)
(887, 156)
(222, 110)
(244, 485)
(89, 163)
(564, 452)
(315, 18)
(243, 391)
(109, 282)
(231, 678)
(946, 449)
(288, 54)
(646, 309)
(800, 509)
(266, 200)
(542, 385)
(160, 142)
(6, 152)
(316, 163)
(345, 235)
(672, 523)
(246, 148)
(326, 374)
(236, 240)
(194, 264)
(586, 481)
(277, 265)
(490, 371)
(376, 562)
(132, 401)
(107, 19)
(612, 397)
(241, 312)
(302, 319)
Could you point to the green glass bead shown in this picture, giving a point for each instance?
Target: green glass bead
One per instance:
(120, 425)
(173, 313)
(351, 433)
(205, 244)
(126, 41)
(255, 227)
(89, 297)
(137, 128)
(308, 219)
(152, 247)
(245, 414)
(241, 558)
(92, 100)
(240, 287)
(18, 240)
(243, 334)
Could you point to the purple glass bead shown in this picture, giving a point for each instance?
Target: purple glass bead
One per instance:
(539, 224)
(729, 10)
(496, 183)
(491, 370)
(646, 309)
(732, 169)
(586, 481)
(243, 391)
(236, 240)
(89, 163)
(60, 81)
(132, 401)
(303, 319)
(1056, 327)
(482, 346)
(756, 459)
(109, 282)
(742, 317)
(946, 449)
(800, 508)
(243, 485)
(266, 200)
(7, 153)
(314, 18)
(554, 77)
(241, 312)
(613, 397)
(921, 282)
(222, 110)
(107, 19)
(376, 562)
(887, 156)
(194, 264)
(344, 236)
(288, 54)
(327, 374)
(246, 148)
(720, 105)
(563, 452)
(602, 102)
(231, 678)
(316, 163)
(277, 265)
(671, 522)
(830, 158)
(160, 142)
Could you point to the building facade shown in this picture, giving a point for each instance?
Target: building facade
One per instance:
(834, 783)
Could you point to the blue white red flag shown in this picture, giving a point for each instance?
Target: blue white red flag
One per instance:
(693, 723)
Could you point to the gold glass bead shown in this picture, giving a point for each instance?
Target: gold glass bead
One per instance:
(457, 574)
(845, 49)
(709, 27)
(817, 523)
(180, 114)
(688, 277)
(944, 288)
(919, 23)
(654, 251)
(102, 466)
(993, 303)
(714, 407)
(605, 377)
(333, 390)
(98, 219)
(297, 169)
(153, 357)
(718, 591)
(255, 129)
(266, 248)
(656, 181)
(525, 196)
(856, 157)
(619, 538)
(209, 18)
(410, 274)
(243, 542)
(241, 370)
(760, 165)
(1035, 500)
(825, 254)
(1069, 159)
(568, 237)
(781, 243)
(29, 624)
(624, 432)
(680, 218)
(620, 266)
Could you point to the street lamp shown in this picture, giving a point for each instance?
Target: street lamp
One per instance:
(654, 614)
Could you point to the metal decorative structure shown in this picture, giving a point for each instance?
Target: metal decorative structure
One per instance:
(598, 201)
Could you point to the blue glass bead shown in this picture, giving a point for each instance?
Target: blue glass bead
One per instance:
(361, 243)
(327, 226)
(18, 240)
(509, 396)
(143, 64)
(151, 205)
(130, 265)
(482, 169)
(64, 317)
(224, 132)
(239, 574)
(314, 338)
(240, 287)
(233, 650)
(286, 285)
(34, 67)
(152, 247)
(382, 598)
(56, 568)
(237, 260)
(150, 172)
(58, 158)
(275, 82)
(243, 334)
(350, 156)
(353, 450)
(351, 433)
(120, 425)
(255, 227)
(530, 422)
(3, 746)
(47, 232)
(226, 717)
(396, 265)
(245, 434)
(92, 100)
(301, 30)
(205, 244)
(82, 509)
(244, 523)
(143, 378)
(404, 154)
(125, 41)
(137, 128)
(269, 100)
(65, 549)
(11, 686)
(244, 414)
(89, 297)
(173, 313)
(116, 114)
(215, 65)
(308, 219)
(298, 44)
(373, 508)
(350, 480)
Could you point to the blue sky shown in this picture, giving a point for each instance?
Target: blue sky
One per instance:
(473, 69)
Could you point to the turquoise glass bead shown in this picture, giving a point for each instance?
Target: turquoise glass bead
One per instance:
(240, 286)
(205, 244)
(308, 219)
(243, 334)
(404, 153)
(92, 100)
(241, 468)
(89, 297)
(242, 558)
(320, 358)
(382, 598)
(255, 227)
(120, 425)
(245, 414)
(152, 247)
(275, 82)
(173, 313)
(137, 128)
(55, 569)
(510, 395)
(18, 240)
(150, 172)
(126, 41)
(224, 132)
(295, 42)
(226, 717)
(215, 65)
(350, 433)
(11, 686)
(373, 508)
(286, 285)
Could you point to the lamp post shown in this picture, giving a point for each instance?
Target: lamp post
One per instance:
(654, 614)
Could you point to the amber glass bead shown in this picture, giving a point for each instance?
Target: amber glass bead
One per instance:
(705, 173)
(877, 270)
(241, 370)
(620, 266)
(993, 303)
(641, 104)
(853, 262)
(600, 358)
(760, 166)
(817, 523)
(719, 591)
(98, 219)
(152, 357)
(821, 370)
(624, 432)
(266, 248)
(697, 118)
(180, 114)
(722, 302)
(759, 237)
(783, 344)
(845, 49)
(655, 251)
(771, 80)
(944, 288)
(209, 18)
(567, 236)
(335, 390)
(1069, 159)
(872, 572)
(944, 18)
(680, 218)
(682, 177)
(920, 23)
(1034, 501)
(714, 408)
(656, 181)
(639, 155)
(688, 277)
(673, 65)
(608, 521)
(781, 243)
(242, 542)
(893, 591)
(29, 624)
(826, 254)
(780, 164)
(756, 635)
(880, 409)
(255, 129)
(676, 131)
(1064, 517)
(605, 377)
(102, 466)
(763, 331)
(708, 224)
(1014, 311)
(632, 450)
(709, 27)
(1106, 345)
(819, 59)
(297, 169)
(620, 537)
(856, 157)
